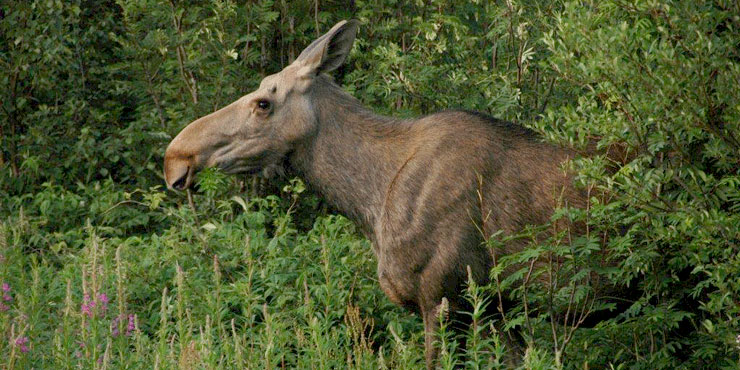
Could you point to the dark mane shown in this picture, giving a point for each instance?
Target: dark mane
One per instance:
(510, 128)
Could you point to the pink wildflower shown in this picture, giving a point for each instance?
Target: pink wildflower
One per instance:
(114, 326)
(131, 324)
(22, 342)
(103, 299)
(3, 307)
(87, 306)
(6, 295)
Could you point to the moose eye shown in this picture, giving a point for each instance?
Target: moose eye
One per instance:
(264, 105)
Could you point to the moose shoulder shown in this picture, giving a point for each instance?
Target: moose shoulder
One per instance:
(427, 192)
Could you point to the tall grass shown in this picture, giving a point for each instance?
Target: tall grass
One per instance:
(244, 288)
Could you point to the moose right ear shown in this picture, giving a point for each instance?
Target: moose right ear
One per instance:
(329, 51)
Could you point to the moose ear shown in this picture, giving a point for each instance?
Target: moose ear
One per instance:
(328, 52)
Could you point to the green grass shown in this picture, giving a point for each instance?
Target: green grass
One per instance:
(96, 277)
(239, 286)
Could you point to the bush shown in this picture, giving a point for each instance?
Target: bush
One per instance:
(91, 245)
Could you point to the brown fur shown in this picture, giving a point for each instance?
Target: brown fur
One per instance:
(421, 190)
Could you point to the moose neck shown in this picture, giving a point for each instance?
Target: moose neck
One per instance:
(353, 155)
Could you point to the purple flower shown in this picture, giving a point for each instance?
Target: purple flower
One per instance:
(114, 326)
(87, 306)
(3, 307)
(131, 324)
(6, 296)
(103, 299)
(22, 342)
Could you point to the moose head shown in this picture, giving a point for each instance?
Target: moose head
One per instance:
(258, 130)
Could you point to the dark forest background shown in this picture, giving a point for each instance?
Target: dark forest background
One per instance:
(102, 267)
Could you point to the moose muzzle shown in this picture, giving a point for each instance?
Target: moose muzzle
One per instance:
(183, 156)
(178, 171)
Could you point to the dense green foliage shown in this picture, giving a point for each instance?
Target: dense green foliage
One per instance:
(102, 267)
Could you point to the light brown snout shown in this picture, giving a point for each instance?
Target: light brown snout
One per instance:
(183, 156)
(203, 143)
(178, 169)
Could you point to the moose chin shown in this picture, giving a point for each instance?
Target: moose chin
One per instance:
(427, 192)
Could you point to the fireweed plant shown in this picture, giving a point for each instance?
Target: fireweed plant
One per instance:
(102, 268)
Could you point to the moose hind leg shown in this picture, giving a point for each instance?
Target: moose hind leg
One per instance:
(431, 317)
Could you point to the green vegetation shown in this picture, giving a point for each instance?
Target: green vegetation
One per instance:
(103, 268)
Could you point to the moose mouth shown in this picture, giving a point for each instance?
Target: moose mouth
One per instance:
(183, 171)
(231, 167)
(184, 181)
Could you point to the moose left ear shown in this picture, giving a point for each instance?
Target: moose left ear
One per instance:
(329, 51)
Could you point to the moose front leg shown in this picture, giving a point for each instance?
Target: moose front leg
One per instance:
(405, 293)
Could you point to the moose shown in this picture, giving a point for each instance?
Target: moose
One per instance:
(426, 192)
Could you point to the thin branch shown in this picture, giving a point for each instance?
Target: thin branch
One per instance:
(187, 76)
